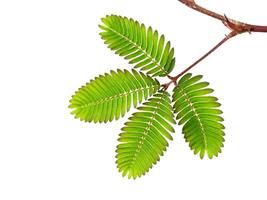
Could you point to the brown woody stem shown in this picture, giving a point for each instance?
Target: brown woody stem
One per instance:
(225, 20)
(235, 26)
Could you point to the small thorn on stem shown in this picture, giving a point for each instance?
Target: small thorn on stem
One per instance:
(235, 26)
(232, 24)
(227, 22)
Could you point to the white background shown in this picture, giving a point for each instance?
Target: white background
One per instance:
(50, 48)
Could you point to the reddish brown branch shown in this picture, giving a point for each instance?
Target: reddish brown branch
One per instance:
(243, 27)
(235, 26)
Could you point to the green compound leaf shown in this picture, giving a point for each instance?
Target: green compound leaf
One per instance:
(141, 46)
(144, 136)
(199, 114)
(110, 96)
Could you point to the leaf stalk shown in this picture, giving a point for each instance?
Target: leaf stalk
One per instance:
(236, 28)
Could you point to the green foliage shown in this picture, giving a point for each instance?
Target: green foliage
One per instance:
(141, 46)
(144, 136)
(112, 95)
(200, 115)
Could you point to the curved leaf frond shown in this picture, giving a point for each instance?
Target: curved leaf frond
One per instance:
(144, 136)
(111, 95)
(141, 46)
(200, 115)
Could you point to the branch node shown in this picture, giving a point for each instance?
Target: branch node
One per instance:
(233, 25)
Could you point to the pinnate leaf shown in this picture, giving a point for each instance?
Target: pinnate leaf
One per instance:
(142, 46)
(144, 136)
(110, 96)
(199, 114)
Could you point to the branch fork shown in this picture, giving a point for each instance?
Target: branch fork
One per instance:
(235, 27)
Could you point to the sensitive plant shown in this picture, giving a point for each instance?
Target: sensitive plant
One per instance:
(147, 132)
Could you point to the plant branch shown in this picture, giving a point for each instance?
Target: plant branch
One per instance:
(229, 23)
(236, 27)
